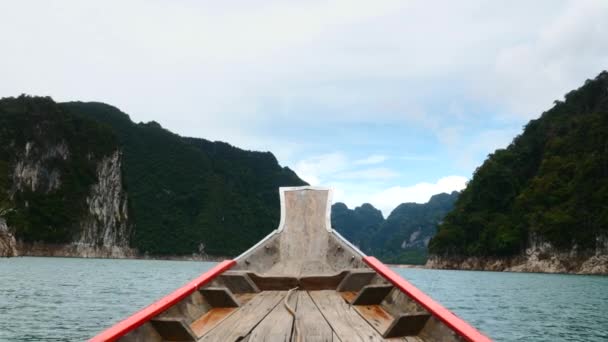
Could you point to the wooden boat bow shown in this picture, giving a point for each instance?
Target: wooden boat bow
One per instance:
(302, 282)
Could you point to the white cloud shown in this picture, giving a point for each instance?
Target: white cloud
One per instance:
(315, 169)
(355, 186)
(556, 58)
(387, 199)
(373, 159)
(378, 174)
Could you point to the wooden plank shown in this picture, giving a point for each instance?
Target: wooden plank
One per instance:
(349, 296)
(376, 316)
(243, 298)
(238, 282)
(321, 282)
(173, 329)
(311, 326)
(413, 339)
(277, 326)
(407, 325)
(316, 267)
(219, 297)
(372, 294)
(344, 320)
(355, 280)
(239, 324)
(274, 283)
(210, 320)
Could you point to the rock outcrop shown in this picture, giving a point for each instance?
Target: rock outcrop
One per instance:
(31, 170)
(539, 257)
(65, 169)
(104, 229)
(106, 226)
(8, 245)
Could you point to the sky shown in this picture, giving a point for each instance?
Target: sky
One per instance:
(384, 101)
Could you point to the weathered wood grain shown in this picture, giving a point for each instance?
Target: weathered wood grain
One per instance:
(210, 320)
(278, 324)
(344, 320)
(356, 279)
(172, 329)
(239, 324)
(304, 234)
(435, 330)
(372, 294)
(311, 326)
(397, 303)
(407, 325)
(219, 297)
(376, 316)
(348, 296)
(243, 298)
(274, 283)
(321, 282)
(238, 282)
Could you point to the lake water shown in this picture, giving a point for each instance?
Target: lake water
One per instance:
(62, 299)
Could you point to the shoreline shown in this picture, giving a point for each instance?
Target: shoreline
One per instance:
(558, 263)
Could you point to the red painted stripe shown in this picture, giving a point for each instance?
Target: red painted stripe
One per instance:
(461, 327)
(137, 319)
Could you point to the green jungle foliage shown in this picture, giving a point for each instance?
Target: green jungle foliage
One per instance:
(190, 195)
(48, 214)
(401, 238)
(356, 225)
(551, 183)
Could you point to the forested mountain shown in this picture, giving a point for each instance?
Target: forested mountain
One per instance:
(65, 164)
(356, 225)
(549, 187)
(401, 238)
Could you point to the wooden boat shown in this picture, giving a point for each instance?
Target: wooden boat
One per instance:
(302, 282)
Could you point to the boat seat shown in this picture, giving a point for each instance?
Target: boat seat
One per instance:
(356, 279)
(238, 282)
(308, 282)
(219, 297)
(173, 329)
(368, 302)
(406, 325)
(321, 282)
(273, 283)
(372, 294)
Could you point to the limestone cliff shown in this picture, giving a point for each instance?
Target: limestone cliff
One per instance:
(106, 226)
(61, 185)
(65, 169)
(540, 256)
(103, 229)
(8, 245)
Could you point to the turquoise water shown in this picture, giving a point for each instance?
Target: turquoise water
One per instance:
(62, 299)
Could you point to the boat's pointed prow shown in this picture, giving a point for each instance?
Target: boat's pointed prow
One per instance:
(341, 293)
(304, 243)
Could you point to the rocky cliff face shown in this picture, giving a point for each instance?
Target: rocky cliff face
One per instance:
(31, 172)
(106, 226)
(540, 256)
(8, 245)
(65, 169)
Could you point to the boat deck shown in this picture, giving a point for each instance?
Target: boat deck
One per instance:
(319, 316)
